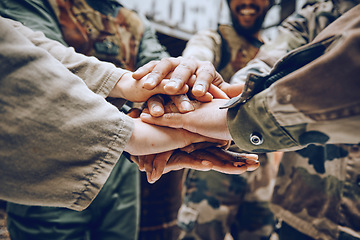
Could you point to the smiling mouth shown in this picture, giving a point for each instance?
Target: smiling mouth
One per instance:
(247, 10)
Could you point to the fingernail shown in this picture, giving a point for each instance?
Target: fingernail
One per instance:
(148, 176)
(199, 88)
(153, 176)
(157, 109)
(186, 106)
(252, 161)
(171, 84)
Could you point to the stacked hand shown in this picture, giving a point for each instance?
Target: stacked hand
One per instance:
(201, 159)
(206, 150)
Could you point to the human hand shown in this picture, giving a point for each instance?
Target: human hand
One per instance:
(198, 158)
(201, 76)
(149, 139)
(132, 90)
(208, 119)
(156, 103)
(205, 82)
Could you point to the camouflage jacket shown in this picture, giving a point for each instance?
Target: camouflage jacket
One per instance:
(225, 48)
(103, 29)
(308, 103)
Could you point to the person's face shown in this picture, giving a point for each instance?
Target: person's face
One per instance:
(248, 11)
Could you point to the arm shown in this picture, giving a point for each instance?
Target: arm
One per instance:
(204, 46)
(55, 131)
(295, 31)
(290, 114)
(102, 78)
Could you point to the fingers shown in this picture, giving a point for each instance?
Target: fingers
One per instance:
(238, 159)
(232, 90)
(159, 165)
(147, 164)
(219, 164)
(173, 120)
(205, 159)
(216, 92)
(155, 106)
(205, 75)
(159, 72)
(203, 145)
(134, 113)
(183, 103)
(180, 160)
(144, 70)
(182, 73)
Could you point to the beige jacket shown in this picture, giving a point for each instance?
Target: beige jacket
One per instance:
(59, 138)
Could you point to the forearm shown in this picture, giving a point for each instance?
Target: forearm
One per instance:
(316, 104)
(59, 140)
(205, 46)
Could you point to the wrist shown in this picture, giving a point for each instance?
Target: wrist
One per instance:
(118, 90)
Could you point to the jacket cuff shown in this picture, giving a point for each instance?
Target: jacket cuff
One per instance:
(254, 128)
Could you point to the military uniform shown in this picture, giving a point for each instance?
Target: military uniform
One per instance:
(111, 33)
(214, 203)
(317, 194)
(225, 48)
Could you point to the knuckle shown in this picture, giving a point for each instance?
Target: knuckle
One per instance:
(168, 116)
(185, 65)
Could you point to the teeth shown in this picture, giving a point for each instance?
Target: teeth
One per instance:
(248, 11)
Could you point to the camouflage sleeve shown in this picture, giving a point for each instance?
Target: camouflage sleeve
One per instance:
(311, 104)
(150, 48)
(205, 46)
(295, 31)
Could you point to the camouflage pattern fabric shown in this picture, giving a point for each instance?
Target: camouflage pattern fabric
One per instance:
(215, 204)
(227, 50)
(238, 52)
(317, 190)
(114, 39)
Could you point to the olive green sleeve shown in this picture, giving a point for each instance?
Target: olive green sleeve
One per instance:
(254, 129)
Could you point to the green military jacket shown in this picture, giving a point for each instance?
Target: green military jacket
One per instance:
(107, 31)
(308, 106)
